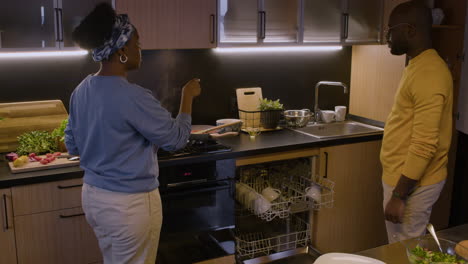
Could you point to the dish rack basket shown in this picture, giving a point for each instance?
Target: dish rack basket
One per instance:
(255, 120)
(293, 197)
(284, 234)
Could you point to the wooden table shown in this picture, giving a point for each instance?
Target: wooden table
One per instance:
(396, 253)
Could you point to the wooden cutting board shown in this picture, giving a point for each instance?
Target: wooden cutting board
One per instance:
(21, 117)
(248, 99)
(35, 166)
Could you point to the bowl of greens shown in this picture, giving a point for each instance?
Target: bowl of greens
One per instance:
(424, 250)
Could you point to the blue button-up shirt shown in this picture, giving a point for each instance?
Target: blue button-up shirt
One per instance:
(116, 127)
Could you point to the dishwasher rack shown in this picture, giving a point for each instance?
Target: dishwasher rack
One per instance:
(285, 225)
(293, 186)
(258, 239)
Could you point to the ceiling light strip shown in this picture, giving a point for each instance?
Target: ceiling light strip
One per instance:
(278, 49)
(42, 54)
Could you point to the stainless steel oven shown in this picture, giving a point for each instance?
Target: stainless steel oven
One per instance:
(198, 212)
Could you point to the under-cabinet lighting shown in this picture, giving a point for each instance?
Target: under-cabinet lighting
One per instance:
(278, 49)
(43, 54)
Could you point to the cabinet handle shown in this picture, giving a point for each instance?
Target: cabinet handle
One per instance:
(5, 227)
(60, 11)
(42, 16)
(262, 24)
(345, 29)
(326, 165)
(69, 186)
(213, 28)
(73, 215)
(57, 34)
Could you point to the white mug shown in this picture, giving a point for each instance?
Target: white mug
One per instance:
(328, 116)
(340, 113)
(314, 192)
(271, 194)
(261, 205)
(251, 198)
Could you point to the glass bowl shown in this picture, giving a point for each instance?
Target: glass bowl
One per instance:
(428, 244)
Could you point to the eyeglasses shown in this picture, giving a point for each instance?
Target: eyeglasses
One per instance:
(389, 29)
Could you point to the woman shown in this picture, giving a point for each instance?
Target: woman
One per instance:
(116, 127)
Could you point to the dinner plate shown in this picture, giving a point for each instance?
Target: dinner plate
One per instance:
(343, 258)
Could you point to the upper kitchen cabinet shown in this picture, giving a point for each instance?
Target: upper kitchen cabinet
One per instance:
(322, 21)
(255, 22)
(280, 21)
(270, 22)
(30, 24)
(362, 21)
(71, 14)
(172, 24)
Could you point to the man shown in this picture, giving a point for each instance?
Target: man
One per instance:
(419, 128)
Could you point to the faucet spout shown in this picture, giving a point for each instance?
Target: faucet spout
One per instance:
(317, 86)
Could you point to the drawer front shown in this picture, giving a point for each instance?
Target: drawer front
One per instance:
(56, 237)
(43, 197)
(7, 231)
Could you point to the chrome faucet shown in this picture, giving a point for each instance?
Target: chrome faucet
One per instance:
(316, 106)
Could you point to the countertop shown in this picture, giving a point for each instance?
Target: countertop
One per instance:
(396, 253)
(242, 146)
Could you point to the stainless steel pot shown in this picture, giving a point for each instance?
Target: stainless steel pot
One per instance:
(297, 118)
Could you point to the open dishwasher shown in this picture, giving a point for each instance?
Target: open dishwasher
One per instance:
(277, 228)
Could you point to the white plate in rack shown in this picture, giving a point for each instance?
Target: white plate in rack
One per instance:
(343, 258)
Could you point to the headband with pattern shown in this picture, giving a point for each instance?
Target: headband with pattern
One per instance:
(121, 33)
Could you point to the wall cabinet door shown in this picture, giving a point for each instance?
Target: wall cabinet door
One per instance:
(7, 233)
(256, 22)
(58, 237)
(28, 24)
(363, 21)
(322, 21)
(196, 25)
(172, 24)
(238, 21)
(356, 222)
(280, 21)
(72, 13)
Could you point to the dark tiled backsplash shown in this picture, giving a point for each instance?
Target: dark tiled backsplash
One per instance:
(290, 77)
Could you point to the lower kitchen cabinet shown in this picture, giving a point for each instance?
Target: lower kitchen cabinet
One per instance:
(44, 223)
(7, 232)
(61, 236)
(356, 222)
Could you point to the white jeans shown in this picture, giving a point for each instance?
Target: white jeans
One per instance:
(127, 225)
(417, 212)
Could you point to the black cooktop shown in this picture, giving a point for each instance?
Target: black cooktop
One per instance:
(194, 147)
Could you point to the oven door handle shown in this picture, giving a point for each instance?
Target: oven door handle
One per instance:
(199, 189)
(186, 183)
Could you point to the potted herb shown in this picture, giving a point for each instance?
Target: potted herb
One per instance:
(271, 113)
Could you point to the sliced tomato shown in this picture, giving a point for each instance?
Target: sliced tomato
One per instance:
(44, 161)
(32, 155)
(57, 154)
(37, 158)
(49, 155)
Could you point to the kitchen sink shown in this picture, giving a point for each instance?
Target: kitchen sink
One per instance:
(340, 129)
